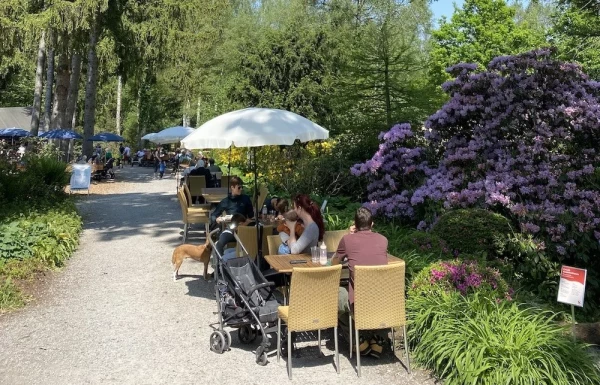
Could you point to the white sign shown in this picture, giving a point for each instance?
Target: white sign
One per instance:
(571, 288)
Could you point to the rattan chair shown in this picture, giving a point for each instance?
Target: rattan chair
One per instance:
(191, 215)
(196, 184)
(332, 239)
(310, 311)
(379, 303)
(247, 235)
(273, 241)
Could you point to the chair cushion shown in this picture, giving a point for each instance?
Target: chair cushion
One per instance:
(283, 312)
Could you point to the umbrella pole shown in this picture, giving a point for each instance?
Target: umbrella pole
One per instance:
(256, 211)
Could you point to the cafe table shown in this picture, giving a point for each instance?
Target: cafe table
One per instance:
(283, 263)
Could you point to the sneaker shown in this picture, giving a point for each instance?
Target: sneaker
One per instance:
(376, 346)
(364, 347)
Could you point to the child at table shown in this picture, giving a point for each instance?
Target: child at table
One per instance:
(284, 231)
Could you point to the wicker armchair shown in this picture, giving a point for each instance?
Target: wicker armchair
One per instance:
(273, 241)
(197, 214)
(196, 184)
(332, 239)
(379, 302)
(247, 235)
(308, 311)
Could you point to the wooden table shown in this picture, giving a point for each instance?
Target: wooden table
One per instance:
(281, 263)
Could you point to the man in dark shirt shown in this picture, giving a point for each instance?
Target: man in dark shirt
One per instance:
(236, 202)
(201, 170)
(361, 247)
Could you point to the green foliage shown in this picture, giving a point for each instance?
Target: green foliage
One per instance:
(531, 268)
(480, 31)
(471, 231)
(10, 296)
(49, 235)
(476, 340)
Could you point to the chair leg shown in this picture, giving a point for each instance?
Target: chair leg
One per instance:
(406, 349)
(185, 230)
(393, 341)
(278, 338)
(357, 351)
(350, 323)
(289, 363)
(337, 352)
(319, 340)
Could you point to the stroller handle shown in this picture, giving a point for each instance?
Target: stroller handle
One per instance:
(260, 286)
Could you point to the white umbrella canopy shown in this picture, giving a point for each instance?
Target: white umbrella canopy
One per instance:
(149, 136)
(172, 134)
(254, 127)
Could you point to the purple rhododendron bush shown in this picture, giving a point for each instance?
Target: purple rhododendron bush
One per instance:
(520, 139)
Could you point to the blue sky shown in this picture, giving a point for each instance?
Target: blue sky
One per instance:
(444, 8)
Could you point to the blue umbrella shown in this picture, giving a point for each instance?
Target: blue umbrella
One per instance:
(14, 132)
(106, 137)
(60, 134)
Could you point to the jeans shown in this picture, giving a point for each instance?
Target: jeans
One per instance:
(284, 249)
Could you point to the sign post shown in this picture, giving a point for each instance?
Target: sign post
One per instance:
(571, 288)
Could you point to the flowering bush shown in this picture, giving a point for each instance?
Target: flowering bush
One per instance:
(521, 139)
(465, 277)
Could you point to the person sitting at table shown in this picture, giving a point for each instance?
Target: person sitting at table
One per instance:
(213, 167)
(199, 169)
(314, 229)
(282, 228)
(362, 247)
(235, 202)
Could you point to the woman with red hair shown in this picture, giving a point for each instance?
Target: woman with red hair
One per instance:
(314, 228)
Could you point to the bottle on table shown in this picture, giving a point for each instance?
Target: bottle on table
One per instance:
(264, 212)
(323, 254)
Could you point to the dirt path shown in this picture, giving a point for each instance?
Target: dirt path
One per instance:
(114, 315)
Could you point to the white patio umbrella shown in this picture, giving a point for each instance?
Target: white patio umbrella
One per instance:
(149, 136)
(172, 134)
(254, 127)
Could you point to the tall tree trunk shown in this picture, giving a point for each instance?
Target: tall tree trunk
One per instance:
(198, 113)
(73, 91)
(119, 92)
(141, 130)
(61, 93)
(39, 85)
(89, 114)
(49, 81)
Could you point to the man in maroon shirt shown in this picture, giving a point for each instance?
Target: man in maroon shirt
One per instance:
(361, 247)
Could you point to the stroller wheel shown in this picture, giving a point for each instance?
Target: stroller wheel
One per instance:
(217, 342)
(246, 334)
(227, 336)
(261, 356)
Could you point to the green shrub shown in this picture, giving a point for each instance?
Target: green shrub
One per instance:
(531, 267)
(472, 231)
(475, 340)
(464, 277)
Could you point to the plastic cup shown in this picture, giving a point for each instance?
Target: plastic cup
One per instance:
(314, 251)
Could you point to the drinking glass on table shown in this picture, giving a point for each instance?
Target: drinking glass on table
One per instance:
(314, 252)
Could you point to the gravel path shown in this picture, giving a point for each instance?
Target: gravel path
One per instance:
(114, 315)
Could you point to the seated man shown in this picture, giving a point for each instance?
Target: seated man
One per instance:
(199, 169)
(213, 167)
(360, 247)
(235, 202)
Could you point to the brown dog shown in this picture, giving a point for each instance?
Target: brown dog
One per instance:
(199, 253)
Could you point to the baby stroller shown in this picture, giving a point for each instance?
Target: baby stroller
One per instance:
(106, 171)
(245, 302)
